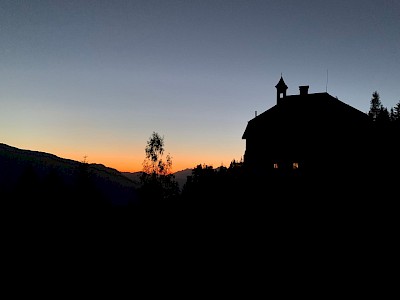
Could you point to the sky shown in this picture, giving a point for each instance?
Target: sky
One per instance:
(92, 80)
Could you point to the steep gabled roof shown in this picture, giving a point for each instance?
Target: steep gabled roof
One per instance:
(302, 109)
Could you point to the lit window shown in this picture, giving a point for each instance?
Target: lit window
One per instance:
(275, 166)
(295, 165)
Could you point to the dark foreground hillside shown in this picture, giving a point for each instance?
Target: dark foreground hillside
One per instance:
(37, 179)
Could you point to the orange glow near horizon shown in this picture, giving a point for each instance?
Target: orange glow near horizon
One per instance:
(128, 156)
(130, 161)
(130, 164)
(177, 164)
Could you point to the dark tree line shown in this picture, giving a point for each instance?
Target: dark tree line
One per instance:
(380, 115)
(385, 141)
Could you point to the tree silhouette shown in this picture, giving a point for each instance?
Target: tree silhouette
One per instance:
(215, 188)
(392, 115)
(154, 163)
(383, 117)
(157, 181)
(395, 113)
(375, 106)
(380, 115)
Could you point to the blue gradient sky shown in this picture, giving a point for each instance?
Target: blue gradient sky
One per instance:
(96, 78)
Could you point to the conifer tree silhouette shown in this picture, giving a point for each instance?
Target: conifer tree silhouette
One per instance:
(375, 106)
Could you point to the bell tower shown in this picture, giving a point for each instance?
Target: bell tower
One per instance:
(281, 88)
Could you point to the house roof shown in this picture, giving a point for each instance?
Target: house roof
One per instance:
(310, 109)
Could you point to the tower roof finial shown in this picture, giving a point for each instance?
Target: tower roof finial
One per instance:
(281, 84)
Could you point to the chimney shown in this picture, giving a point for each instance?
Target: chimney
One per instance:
(304, 89)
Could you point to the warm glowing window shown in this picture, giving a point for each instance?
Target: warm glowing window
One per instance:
(275, 166)
(295, 165)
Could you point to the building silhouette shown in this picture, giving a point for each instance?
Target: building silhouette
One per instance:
(309, 135)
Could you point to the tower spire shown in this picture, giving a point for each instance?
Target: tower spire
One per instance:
(281, 88)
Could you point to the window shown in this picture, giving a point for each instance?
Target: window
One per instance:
(295, 165)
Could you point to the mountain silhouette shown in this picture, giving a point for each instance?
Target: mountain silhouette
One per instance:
(25, 174)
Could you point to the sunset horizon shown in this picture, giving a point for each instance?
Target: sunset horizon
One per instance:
(120, 165)
(94, 79)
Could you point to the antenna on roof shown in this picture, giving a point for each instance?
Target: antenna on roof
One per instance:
(326, 87)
